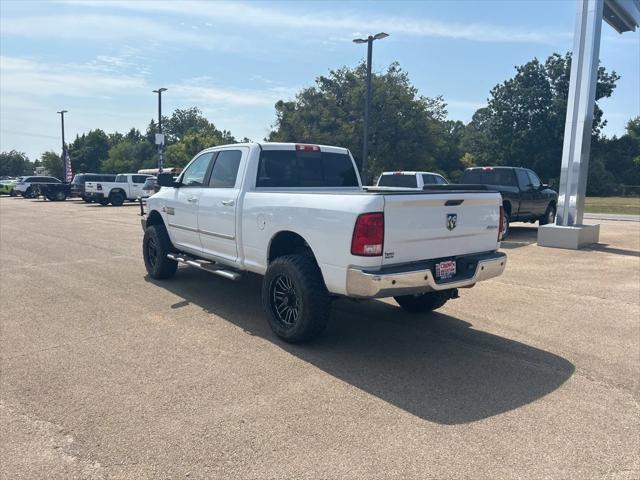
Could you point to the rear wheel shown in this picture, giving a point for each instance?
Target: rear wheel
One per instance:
(423, 302)
(155, 247)
(506, 219)
(30, 193)
(117, 199)
(549, 216)
(295, 298)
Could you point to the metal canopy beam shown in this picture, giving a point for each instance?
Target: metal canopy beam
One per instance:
(623, 16)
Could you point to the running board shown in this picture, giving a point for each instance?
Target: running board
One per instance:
(210, 267)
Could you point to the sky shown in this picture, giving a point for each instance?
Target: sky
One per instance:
(100, 60)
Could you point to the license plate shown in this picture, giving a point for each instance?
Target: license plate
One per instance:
(445, 270)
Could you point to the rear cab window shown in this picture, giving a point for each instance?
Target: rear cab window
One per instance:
(305, 169)
(121, 178)
(399, 180)
(490, 176)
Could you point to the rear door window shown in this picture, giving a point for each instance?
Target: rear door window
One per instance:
(225, 169)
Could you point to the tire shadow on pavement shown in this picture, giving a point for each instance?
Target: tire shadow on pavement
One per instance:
(434, 366)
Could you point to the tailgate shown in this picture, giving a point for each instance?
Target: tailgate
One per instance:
(430, 226)
(91, 187)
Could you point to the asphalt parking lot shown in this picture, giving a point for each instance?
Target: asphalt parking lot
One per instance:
(107, 374)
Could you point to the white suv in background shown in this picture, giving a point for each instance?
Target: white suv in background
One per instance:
(25, 185)
(413, 180)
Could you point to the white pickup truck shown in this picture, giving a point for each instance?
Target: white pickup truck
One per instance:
(127, 186)
(298, 215)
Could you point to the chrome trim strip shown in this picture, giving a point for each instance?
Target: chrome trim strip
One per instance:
(182, 227)
(221, 235)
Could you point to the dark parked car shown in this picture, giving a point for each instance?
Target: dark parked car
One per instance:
(79, 180)
(54, 191)
(524, 197)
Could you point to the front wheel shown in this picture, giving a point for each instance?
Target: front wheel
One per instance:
(295, 298)
(549, 216)
(155, 247)
(423, 302)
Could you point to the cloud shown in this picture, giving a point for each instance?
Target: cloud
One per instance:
(324, 22)
(33, 79)
(106, 28)
(202, 91)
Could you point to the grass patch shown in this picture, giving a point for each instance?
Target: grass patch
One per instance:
(624, 205)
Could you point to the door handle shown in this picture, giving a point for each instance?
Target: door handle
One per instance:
(192, 199)
(228, 203)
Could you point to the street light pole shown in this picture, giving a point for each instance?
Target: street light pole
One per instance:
(64, 147)
(161, 144)
(367, 103)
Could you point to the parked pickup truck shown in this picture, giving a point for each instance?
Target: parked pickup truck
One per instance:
(415, 180)
(298, 215)
(127, 186)
(524, 197)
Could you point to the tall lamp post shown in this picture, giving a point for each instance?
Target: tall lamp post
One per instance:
(365, 142)
(160, 137)
(64, 147)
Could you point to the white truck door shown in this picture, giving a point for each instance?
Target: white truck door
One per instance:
(219, 204)
(182, 208)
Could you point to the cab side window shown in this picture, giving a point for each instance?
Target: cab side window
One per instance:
(225, 169)
(196, 172)
(534, 180)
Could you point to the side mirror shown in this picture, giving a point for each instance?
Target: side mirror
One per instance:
(166, 180)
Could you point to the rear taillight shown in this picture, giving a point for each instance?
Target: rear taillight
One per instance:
(501, 223)
(99, 186)
(368, 235)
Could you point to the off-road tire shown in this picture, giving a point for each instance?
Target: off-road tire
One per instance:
(549, 216)
(314, 307)
(155, 247)
(506, 224)
(116, 199)
(424, 302)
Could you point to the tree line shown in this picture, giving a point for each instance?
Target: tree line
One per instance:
(521, 125)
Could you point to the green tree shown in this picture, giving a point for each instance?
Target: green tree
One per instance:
(403, 125)
(88, 151)
(52, 162)
(523, 122)
(14, 164)
(132, 153)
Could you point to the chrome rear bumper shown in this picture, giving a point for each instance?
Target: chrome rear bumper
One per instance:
(418, 278)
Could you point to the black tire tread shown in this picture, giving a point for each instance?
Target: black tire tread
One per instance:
(165, 267)
(316, 301)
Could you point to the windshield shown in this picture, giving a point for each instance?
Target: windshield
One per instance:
(404, 180)
(149, 183)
